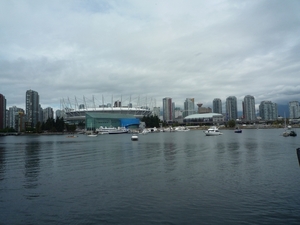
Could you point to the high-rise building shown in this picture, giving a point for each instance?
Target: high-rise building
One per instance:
(294, 109)
(47, 114)
(2, 112)
(268, 110)
(13, 117)
(41, 113)
(249, 108)
(189, 107)
(156, 111)
(217, 105)
(168, 109)
(231, 108)
(32, 107)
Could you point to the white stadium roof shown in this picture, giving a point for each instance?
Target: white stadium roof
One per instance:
(202, 115)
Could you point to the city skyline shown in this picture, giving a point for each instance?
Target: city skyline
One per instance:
(268, 110)
(239, 104)
(182, 49)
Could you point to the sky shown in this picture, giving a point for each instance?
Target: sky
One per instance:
(112, 50)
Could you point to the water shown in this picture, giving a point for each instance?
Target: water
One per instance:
(164, 178)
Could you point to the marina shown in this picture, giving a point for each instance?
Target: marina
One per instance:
(163, 178)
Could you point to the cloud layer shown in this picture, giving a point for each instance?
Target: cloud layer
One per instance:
(177, 49)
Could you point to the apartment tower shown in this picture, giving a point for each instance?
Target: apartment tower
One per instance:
(32, 107)
(249, 108)
(189, 107)
(231, 108)
(217, 105)
(167, 109)
(2, 112)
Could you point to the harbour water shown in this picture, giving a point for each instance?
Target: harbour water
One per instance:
(163, 178)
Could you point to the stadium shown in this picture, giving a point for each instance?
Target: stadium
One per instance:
(117, 113)
(205, 118)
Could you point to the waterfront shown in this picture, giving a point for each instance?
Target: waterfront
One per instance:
(163, 178)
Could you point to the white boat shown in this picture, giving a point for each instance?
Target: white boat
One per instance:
(105, 130)
(168, 129)
(145, 131)
(119, 130)
(134, 137)
(212, 131)
(182, 129)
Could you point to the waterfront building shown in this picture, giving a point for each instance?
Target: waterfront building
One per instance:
(178, 112)
(41, 113)
(268, 111)
(32, 107)
(249, 108)
(48, 114)
(217, 106)
(294, 109)
(114, 114)
(231, 108)
(2, 112)
(189, 107)
(20, 121)
(204, 118)
(13, 117)
(168, 109)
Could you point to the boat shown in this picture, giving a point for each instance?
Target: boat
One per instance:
(134, 137)
(119, 130)
(105, 130)
(293, 133)
(145, 131)
(238, 130)
(286, 132)
(168, 129)
(182, 129)
(72, 136)
(212, 131)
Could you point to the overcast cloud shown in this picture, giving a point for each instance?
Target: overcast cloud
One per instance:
(154, 49)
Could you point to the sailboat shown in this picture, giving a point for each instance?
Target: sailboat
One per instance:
(286, 133)
(288, 130)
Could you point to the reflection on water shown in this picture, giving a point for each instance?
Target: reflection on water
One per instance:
(164, 178)
(2, 162)
(32, 166)
(169, 149)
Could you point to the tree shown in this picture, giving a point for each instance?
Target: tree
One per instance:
(70, 127)
(38, 127)
(231, 123)
(151, 121)
(59, 124)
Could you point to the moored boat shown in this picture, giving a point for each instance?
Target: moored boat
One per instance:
(105, 130)
(119, 130)
(212, 131)
(181, 129)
